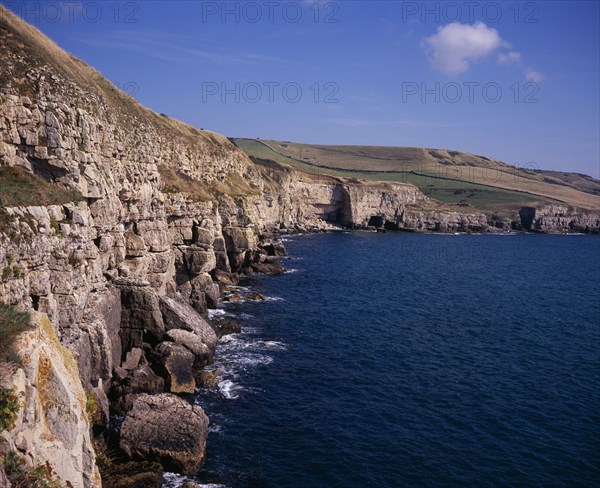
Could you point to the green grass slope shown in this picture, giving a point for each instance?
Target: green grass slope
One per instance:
(450, 177)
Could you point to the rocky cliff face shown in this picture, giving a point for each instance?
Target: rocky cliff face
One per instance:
(559, 219)
(52, 427)
(123, 277)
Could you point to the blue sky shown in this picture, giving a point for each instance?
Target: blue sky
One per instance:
(518, 81)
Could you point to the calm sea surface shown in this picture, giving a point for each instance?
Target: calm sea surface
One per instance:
(403, 360)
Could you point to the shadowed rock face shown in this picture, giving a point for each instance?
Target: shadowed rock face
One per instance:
(167, 428)
(526, 215)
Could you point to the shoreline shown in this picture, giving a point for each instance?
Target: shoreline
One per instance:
(250, 294)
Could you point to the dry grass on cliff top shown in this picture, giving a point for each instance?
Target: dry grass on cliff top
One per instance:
(198, 191)
(26, 52)
(448, 167)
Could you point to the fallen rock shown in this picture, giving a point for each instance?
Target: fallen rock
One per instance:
(208, 379)
(272, 266)
(168, 429)
(233, 297)
(132, 358)
(177, 364)
(224, 327)
(225, 278)
(274, 249)
(190, 484)
(139, 381)
(178, 314)
(203, 354)
(133, 475)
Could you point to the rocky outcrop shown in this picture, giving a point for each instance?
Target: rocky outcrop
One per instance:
(176, 364)
(560, 219)
(52, 427)
(167, 428)
(432, 221)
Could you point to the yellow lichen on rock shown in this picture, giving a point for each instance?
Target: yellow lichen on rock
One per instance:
(53, 428)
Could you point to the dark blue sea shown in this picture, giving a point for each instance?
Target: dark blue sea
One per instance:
(407, 360)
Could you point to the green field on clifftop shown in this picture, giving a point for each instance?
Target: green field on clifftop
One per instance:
(429, 179)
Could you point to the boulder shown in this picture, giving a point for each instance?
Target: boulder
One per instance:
(191, 341)
(132, 358)
(208, 379)
(226, 326)
(225, 278)
(139, 381)
(274, 249)
(178, 314)
(176, 363)
(133, 475)
(191, 484)
(168, 429)
(272, 266)
(213, 294)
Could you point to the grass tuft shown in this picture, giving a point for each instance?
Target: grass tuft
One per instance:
(40, 476)
(19, 188)
(12, 323)
(9, 408)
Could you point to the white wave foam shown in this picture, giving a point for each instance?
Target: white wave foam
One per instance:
(253, 360)
(216, 312)
(229, 389)
(173, 480)
(273, 299)
(238, 287)
(291, 270)
(273, 345)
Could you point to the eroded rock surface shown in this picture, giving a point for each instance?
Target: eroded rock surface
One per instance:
(167, 428)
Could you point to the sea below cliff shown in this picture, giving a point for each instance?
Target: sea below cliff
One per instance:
(412, 360)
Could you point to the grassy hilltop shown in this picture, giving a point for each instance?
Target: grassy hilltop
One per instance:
(451, 177)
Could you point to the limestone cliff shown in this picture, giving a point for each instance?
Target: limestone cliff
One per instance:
(123, 276)
(53, 425)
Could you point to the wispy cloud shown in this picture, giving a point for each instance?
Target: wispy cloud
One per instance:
(147, 45)
(534, 76)
(509, 58)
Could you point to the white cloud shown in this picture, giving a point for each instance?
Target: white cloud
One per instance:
(534, 76)
(456, 45)
(508, 58)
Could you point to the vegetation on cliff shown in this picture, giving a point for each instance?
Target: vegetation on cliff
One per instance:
(19, 188)
(12, 322)
(38, 476)
(452, 177)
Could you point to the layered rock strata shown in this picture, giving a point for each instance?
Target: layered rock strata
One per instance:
(119, 281)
